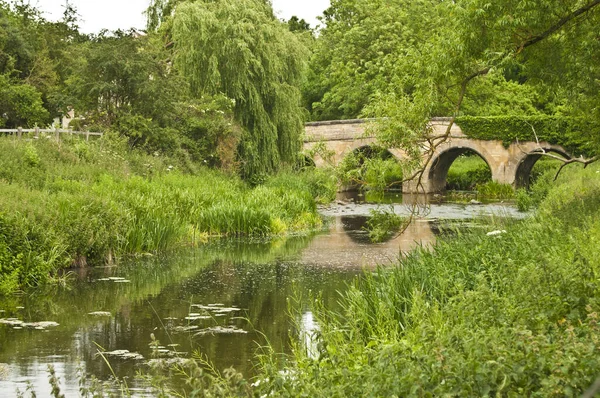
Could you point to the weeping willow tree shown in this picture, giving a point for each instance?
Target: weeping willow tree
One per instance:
(239, 49)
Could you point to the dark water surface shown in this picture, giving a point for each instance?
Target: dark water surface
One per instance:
(241, 287)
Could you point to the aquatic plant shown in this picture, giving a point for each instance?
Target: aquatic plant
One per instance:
(495, 190)
(91, 203)
(383, 223)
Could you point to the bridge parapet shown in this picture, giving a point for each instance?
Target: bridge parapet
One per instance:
(352, 129)
(336, 130)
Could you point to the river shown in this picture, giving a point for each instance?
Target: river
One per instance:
(223, 300)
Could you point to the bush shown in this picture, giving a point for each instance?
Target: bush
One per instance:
(373, 168)
(382, 224)
(524, 200)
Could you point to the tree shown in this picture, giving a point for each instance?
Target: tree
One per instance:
(296, 24)
(554, 42)
(238, 48)
(20, 105)
(355, 56)
(36, 52)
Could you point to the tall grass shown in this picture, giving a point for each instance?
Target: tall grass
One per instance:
(507, 314)
(77, 203)
(467, 172)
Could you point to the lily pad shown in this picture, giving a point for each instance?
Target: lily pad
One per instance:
(43, 325)
(199, 317)
(182, 329)
(122, 354)
(216, 309)
(11, 321)
(220, 330)
(19, 324)
(100, 313)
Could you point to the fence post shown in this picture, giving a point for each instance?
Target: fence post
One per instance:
(57, 134)
(19, 132)
(37, 132)
(87, 135)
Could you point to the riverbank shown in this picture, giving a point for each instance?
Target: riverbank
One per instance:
(75, 204)
(512, 312)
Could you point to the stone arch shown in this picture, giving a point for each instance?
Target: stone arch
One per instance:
(372, 150)
(528, 160)
(438, 171)
(344, 148)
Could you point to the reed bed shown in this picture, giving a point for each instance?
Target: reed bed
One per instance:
(76, 203)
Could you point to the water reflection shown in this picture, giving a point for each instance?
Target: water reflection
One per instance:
(158, 293)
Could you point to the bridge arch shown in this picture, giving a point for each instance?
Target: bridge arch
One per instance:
(529, 159)
(442, 161)
(372, 165)
(372, 150)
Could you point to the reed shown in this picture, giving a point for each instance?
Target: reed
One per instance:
(76, 203)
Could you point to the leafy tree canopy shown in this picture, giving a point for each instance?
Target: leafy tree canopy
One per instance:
(553, 43)
(238, 48)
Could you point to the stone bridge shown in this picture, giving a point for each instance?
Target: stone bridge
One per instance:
(509, 165)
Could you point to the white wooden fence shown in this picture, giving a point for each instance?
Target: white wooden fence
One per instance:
(18, 132)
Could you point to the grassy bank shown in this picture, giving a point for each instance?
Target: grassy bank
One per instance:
(511, 314)
(77, 203)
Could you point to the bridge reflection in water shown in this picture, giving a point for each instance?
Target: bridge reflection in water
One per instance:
(347, 244)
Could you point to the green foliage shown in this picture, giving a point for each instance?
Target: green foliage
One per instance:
(320, 183)
(383, 223)
(123, 74)
(514, 313)
(372, 168)
(500, 94)
(296, 24)
(356, 55)
(543, 181)
(495, 190)
(568, 132)
(524, 201)
(35, 61)
(443, 70)
(21, 105)
(252, 58)
(467, 172)
(78, 203)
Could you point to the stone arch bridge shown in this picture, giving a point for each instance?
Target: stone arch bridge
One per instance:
(509, 165)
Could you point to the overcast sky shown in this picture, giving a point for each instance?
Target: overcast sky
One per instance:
(124, 14)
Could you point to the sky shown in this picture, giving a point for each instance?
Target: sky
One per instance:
(124, 14)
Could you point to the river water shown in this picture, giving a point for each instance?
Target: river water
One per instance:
(223, 300)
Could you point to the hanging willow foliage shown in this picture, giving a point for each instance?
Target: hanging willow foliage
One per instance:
(238, 48)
